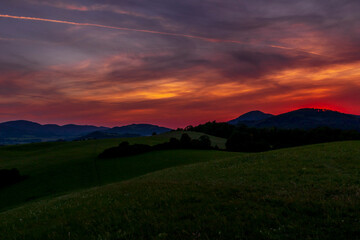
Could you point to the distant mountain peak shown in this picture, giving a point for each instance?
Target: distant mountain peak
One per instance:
(303, 118)
(315, 110)
(23, 131)
(20, 122)
(139, 129)
(307, 118)
(251, 117)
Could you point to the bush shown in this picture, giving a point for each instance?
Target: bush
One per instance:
(125, 149)
(223, 130)
(9, 177)
(205, 141)
(185, 140)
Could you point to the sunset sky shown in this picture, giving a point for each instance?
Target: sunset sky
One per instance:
(175, 63)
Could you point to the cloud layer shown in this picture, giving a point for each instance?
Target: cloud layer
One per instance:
(175, 63)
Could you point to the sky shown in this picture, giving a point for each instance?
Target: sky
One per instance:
(175, 63)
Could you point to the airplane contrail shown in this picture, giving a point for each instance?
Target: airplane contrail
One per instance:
(213, 40)
(118, 28)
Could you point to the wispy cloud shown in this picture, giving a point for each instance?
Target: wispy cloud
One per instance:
(206, 39)
(210, 60)
(124, 29)
(94, 7)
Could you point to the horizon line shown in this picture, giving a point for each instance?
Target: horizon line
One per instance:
(99, 126)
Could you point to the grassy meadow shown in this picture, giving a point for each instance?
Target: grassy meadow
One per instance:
(310, 192)
(59, 167)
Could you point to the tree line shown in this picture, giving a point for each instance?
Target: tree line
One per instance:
(124, 149)
(239, 139)
(246, 139)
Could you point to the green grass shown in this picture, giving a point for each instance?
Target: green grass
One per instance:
(310, 192)
(59, 167)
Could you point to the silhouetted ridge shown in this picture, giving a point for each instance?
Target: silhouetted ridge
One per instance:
(139, 129)
(252, 116)
(305, 118)
(308, 118)
(21, 131)
(105, 135)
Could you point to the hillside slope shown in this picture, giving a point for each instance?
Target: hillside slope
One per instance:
(60, 167)
(308, 192)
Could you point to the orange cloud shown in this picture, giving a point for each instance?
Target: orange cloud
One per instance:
(274, 64)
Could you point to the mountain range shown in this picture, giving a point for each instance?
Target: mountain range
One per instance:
(306, 118)
(133, 130)
(21, 131)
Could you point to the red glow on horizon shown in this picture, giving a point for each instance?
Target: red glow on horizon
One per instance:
(112, 71)
(323, 106)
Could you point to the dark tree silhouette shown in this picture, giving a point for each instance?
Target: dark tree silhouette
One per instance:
(205, 141)
(244, 139)
(9, 177)
(185, 140)
(223, 130)
(125, 149)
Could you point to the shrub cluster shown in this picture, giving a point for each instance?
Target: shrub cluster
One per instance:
(185, 142)
(9, 177)
(125, 149)
(223, 130)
